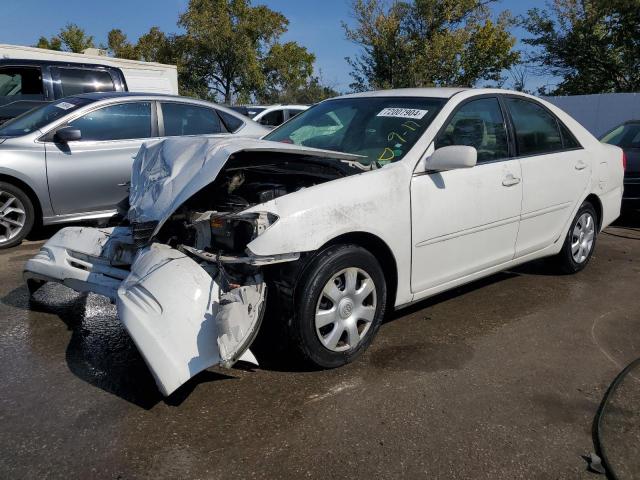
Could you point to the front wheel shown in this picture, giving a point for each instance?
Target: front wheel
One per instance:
(17, 215)
(340, 304)
(580, 241)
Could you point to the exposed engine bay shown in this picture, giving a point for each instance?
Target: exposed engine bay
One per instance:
(211, 224)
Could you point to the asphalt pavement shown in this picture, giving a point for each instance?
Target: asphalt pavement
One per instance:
(497, 379)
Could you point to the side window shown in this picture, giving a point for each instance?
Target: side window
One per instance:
(480, 124)
(536, 129)
(568, 140)
(21, 83)
(116, 122)
(185, 119)
(294, 111)
(231, 122)
(273, 118)
(74, 81)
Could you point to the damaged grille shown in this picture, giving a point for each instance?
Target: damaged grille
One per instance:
(142, 232)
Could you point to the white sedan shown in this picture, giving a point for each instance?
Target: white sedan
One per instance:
(390, 197)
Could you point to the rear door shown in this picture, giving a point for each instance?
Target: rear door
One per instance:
(93, 174)
(184, 119)
(556, 171)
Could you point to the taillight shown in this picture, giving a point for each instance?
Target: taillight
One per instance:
(624, 161)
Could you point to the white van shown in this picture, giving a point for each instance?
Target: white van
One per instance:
(32, 76)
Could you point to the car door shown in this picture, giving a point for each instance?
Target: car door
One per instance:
(555, 172)
(181, 119)
(92, 174)
(466, 220)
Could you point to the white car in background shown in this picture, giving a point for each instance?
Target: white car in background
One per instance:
(417, 191)
(272, 115)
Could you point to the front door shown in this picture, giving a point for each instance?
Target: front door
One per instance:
(92, 174)
(466, 220)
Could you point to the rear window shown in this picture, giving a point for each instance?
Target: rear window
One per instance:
(230, 122)
(74, 81)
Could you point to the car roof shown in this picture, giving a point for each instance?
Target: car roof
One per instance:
(95, 96)
(410, 92)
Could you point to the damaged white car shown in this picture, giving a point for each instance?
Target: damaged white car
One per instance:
(361, 203)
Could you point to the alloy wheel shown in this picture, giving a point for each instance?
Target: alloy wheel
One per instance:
(12, 216)
(582, 237)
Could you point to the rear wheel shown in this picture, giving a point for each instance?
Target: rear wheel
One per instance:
(340, 304)
(17, 215)
(580, 240)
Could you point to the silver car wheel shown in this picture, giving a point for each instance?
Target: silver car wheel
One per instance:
(12, 216)
(346, 309)
(582, 237)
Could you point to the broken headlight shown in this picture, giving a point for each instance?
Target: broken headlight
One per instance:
(233, 232)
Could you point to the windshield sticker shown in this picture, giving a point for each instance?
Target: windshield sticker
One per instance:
(402, 112)
(65, 105)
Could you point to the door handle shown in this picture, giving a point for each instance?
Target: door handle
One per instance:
(125, 184)
(581, 165)
(510, 180)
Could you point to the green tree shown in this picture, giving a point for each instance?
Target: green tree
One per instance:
(74, 38)
(429, 43)
(54, 43)
(155, 46)
(592, 45)
(288, 69)
(119, 46)
(71, 38)
(225, 42)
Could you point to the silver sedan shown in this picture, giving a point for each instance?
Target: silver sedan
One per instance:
(71, 160)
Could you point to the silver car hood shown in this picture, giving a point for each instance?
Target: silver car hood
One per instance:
(167, 172)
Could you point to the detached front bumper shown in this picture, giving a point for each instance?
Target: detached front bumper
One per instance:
(84, 259)
(182, 315)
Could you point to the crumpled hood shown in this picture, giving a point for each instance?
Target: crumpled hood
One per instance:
(167, 172)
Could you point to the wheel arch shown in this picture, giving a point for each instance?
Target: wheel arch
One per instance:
(29, 192)
(594, 200)
(380, 250)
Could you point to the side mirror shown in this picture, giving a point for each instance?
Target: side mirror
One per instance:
(67, 134)
(451, 158)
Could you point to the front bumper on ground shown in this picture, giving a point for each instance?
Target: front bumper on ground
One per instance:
(181, 315)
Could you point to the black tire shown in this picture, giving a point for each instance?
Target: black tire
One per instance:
(315, 275)
(29, 215)
(565, 260)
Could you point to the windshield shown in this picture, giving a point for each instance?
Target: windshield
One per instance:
(625, 136)
(382, 129)
(40, 117)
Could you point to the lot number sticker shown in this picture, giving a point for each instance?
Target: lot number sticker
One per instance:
(65, 105)
(397, 112)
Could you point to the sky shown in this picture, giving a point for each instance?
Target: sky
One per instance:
(315, 24)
